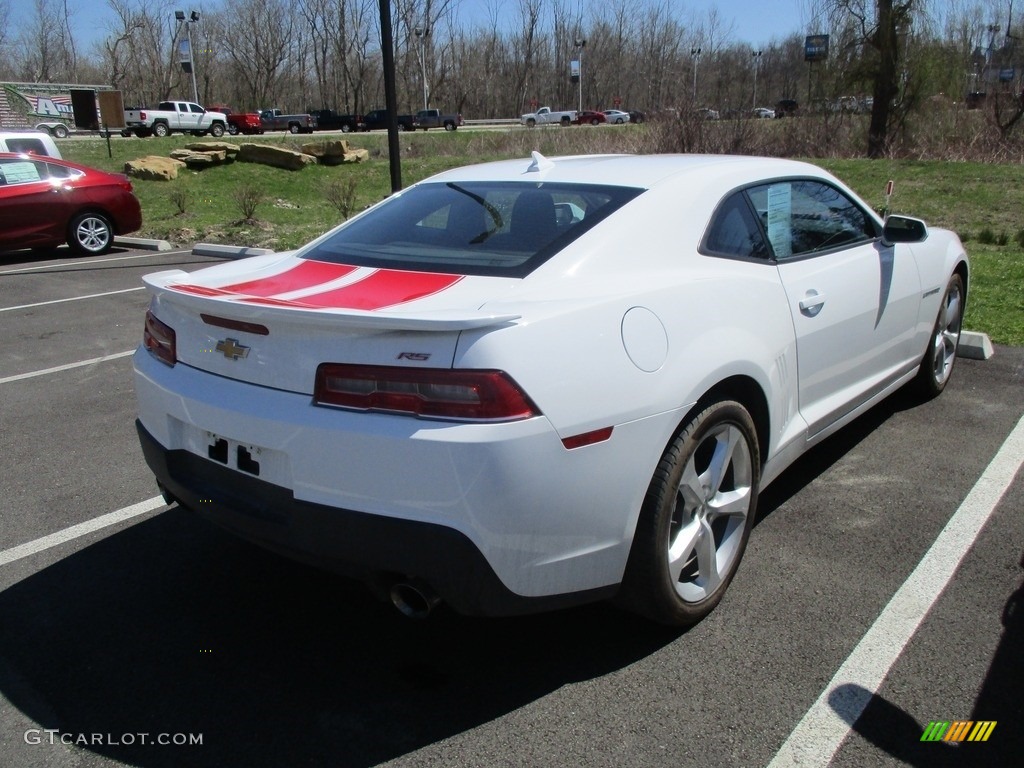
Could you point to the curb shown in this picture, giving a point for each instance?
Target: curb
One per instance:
(975, 346)
(229, 251)
(144, 243)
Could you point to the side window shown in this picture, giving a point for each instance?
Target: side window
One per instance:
(27, 145)
(735, 232)
(804, 217)
(196, 109)
(22, 171)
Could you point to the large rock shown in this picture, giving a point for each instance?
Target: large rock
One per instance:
(335, 152)
(197, 160)
(153, 168)
(278, 157)
(229, 149)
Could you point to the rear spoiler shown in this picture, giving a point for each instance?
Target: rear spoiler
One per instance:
(171, 286)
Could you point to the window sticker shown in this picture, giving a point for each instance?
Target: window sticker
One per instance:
(20, 173)
(780, 213)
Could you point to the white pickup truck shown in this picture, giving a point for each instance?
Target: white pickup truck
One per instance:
(544, 116)
(174, 116)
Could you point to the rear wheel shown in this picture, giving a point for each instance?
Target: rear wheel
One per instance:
(293, 128)
(696, 518)
(60, 131)
(937, 365)
(450, 126)
(346, 128)
(90, 233)
(160, 130)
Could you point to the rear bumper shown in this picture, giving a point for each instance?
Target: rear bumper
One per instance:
(373, 548)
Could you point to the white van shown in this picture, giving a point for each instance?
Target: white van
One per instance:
(30, 142)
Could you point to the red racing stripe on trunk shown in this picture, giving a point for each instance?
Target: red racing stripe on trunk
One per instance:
(305, 274)
(384, 288)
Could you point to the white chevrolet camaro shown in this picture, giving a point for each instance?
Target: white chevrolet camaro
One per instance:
(533, 383)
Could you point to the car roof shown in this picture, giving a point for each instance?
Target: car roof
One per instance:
(644, 171)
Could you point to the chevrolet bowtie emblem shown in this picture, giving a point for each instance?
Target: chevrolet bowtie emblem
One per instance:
(231, 348)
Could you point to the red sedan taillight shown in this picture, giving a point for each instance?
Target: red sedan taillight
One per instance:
(466, 395)
(159, 339)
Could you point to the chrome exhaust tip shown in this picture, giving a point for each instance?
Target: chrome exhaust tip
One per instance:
(413, 599)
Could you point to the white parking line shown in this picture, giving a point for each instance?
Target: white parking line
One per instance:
(67, 367)
(83, 262)
(820, 733)
(73, 298)
(76, 531)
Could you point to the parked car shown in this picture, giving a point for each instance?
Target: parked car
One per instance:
(247, 123)
(763, 112)
(30, 142)
(435, 118)
(472, 393)
(590, 117)
(377, 120)
(548, 116)
(786, 108)
(174, 117)
(45, 202)
(636, 116)
(329, 120)
(707, 113)
(616, 116)
(276, 120)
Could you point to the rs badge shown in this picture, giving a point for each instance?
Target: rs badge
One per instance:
(231, 348)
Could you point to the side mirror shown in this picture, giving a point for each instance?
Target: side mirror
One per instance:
(903, 229)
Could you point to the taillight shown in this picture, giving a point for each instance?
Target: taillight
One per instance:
(465, 395)
(158, 338)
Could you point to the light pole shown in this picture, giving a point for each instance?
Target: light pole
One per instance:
(580, 44)
(757, 58)
(189, 64)
(421, 34)
(695, 55)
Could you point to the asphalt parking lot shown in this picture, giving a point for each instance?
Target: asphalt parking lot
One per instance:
(881, 592)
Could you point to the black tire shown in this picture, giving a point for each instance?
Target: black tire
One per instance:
(940, 355)
(346, 129)
(90, 233)
(233, 129)
(293, 128)
(595, 121)
(566, 121)
(694, 517)
(160, 130)
(450, 126)
(531, 123)
(60, 131)
(217, 130)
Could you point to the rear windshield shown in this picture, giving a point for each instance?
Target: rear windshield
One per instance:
(27, 145)
(473, 228)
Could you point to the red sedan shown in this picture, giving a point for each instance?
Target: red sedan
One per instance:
(45, 202)
(589, 117)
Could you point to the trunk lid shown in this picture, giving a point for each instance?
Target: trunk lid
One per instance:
(271, 321)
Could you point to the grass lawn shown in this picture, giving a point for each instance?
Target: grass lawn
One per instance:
(983, 203)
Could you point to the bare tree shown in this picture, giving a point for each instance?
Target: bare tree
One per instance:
(260, 47)
(47, 50)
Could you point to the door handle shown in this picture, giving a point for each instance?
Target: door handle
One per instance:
(812, 303)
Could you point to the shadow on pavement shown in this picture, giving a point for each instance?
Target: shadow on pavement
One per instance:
(171, 627)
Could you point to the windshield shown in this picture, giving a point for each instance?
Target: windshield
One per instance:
(472, 228)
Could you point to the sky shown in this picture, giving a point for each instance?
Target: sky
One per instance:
(756, 22)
